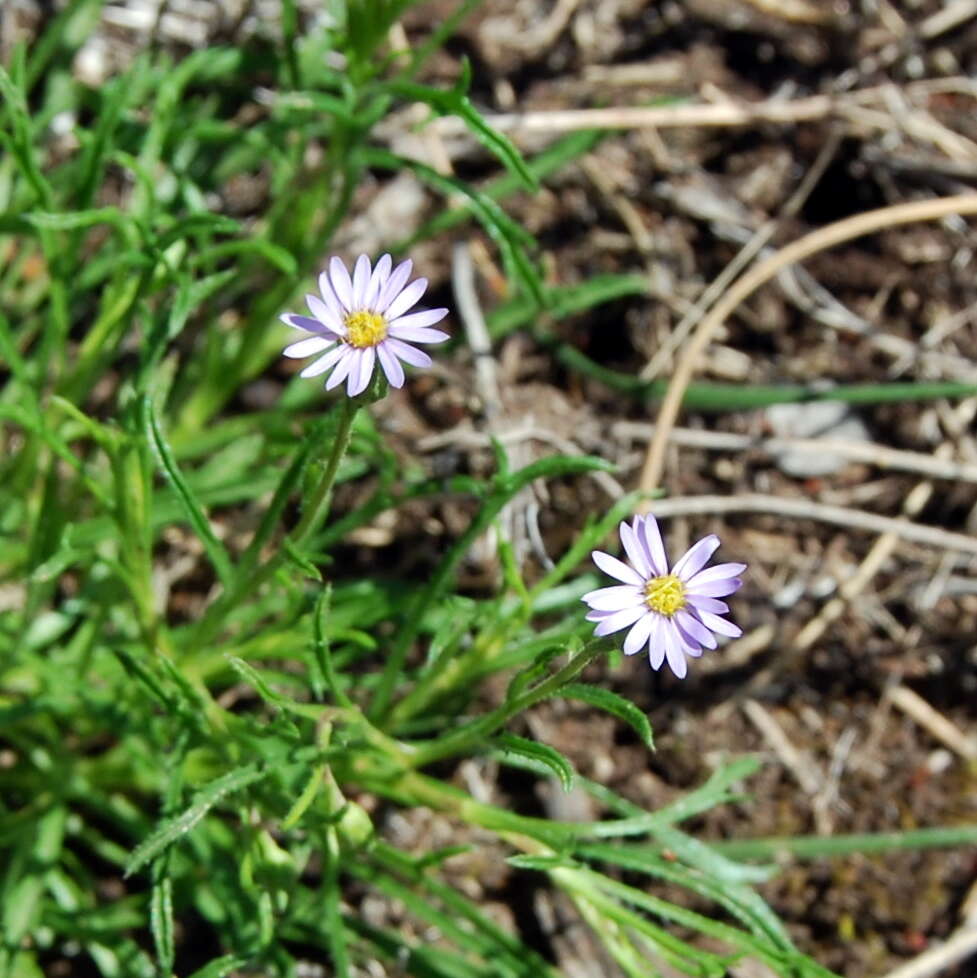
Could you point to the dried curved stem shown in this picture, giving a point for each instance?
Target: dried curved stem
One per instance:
(810, 244)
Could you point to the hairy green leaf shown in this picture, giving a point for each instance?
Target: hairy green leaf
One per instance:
(206, 798)
(543, 753)
(192, 509)
(611, 703)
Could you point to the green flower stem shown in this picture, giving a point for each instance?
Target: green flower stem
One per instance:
(318, 505)
(504, 487)
(313, 515)
(437, 682)
(475, 732)
(412, 626)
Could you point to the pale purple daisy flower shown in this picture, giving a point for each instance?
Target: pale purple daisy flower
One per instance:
(672, 612)
(360, 320)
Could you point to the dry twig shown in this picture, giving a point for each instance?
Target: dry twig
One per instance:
(946, 732)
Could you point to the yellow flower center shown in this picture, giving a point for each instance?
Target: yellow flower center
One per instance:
(666, 595)
(365, 329)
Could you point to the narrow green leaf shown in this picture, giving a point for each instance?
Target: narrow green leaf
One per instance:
(701, 856)
(455, 101)
(542, 753)
(742, 902)
(732, 397)
(332, 899)
(503, 490)
(140, 671)
(565, 300)
(74, 220)
(542, 864)
(23, 882)
(586, 540)
(161, 922)
(190, 294)
(307, 795)
(203, 222)
(191, 507)
(254, 678)
(616, 705)
(322, 652)
(510, 238)
(715, 791)
(272, 253)
(65, 31)
(20, 140)
(115, 96)
(272, 697)
(220, 967)
(551, 160)
(833, 846)
(205, 799)
(298, 559)
(288, 483)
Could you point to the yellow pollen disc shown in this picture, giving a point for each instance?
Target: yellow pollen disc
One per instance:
(666, 595)
(365, 329)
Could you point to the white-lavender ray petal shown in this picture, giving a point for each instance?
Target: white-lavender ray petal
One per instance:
(417, 334)
(656, 643)
(614, 598)
(361, 279)
(716, 573)
(341, 283)
(381, 272)
(307, 347)
(415, 357)
(359, 380)
(407, 299)
(646, 527)
(637, 638)
(618, 620)
(346, 363)
(721, 626)
(694, 632)
(617, 569)
(325, 315)
(427, 317)
(675, 650)
(637, 554)
(699, 602)
(714, 589)
(324, 362)
(306, 323)
(393, 285)
(391, 366)
(696, 557)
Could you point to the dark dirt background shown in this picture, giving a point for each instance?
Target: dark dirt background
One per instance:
(847, 748)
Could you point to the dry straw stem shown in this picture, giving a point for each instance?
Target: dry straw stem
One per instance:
(805, 509)
(692, 115)
(869, 453)
(937, 959)
(811, 244)
(944, 730)
(728, 113)
(880, 551)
